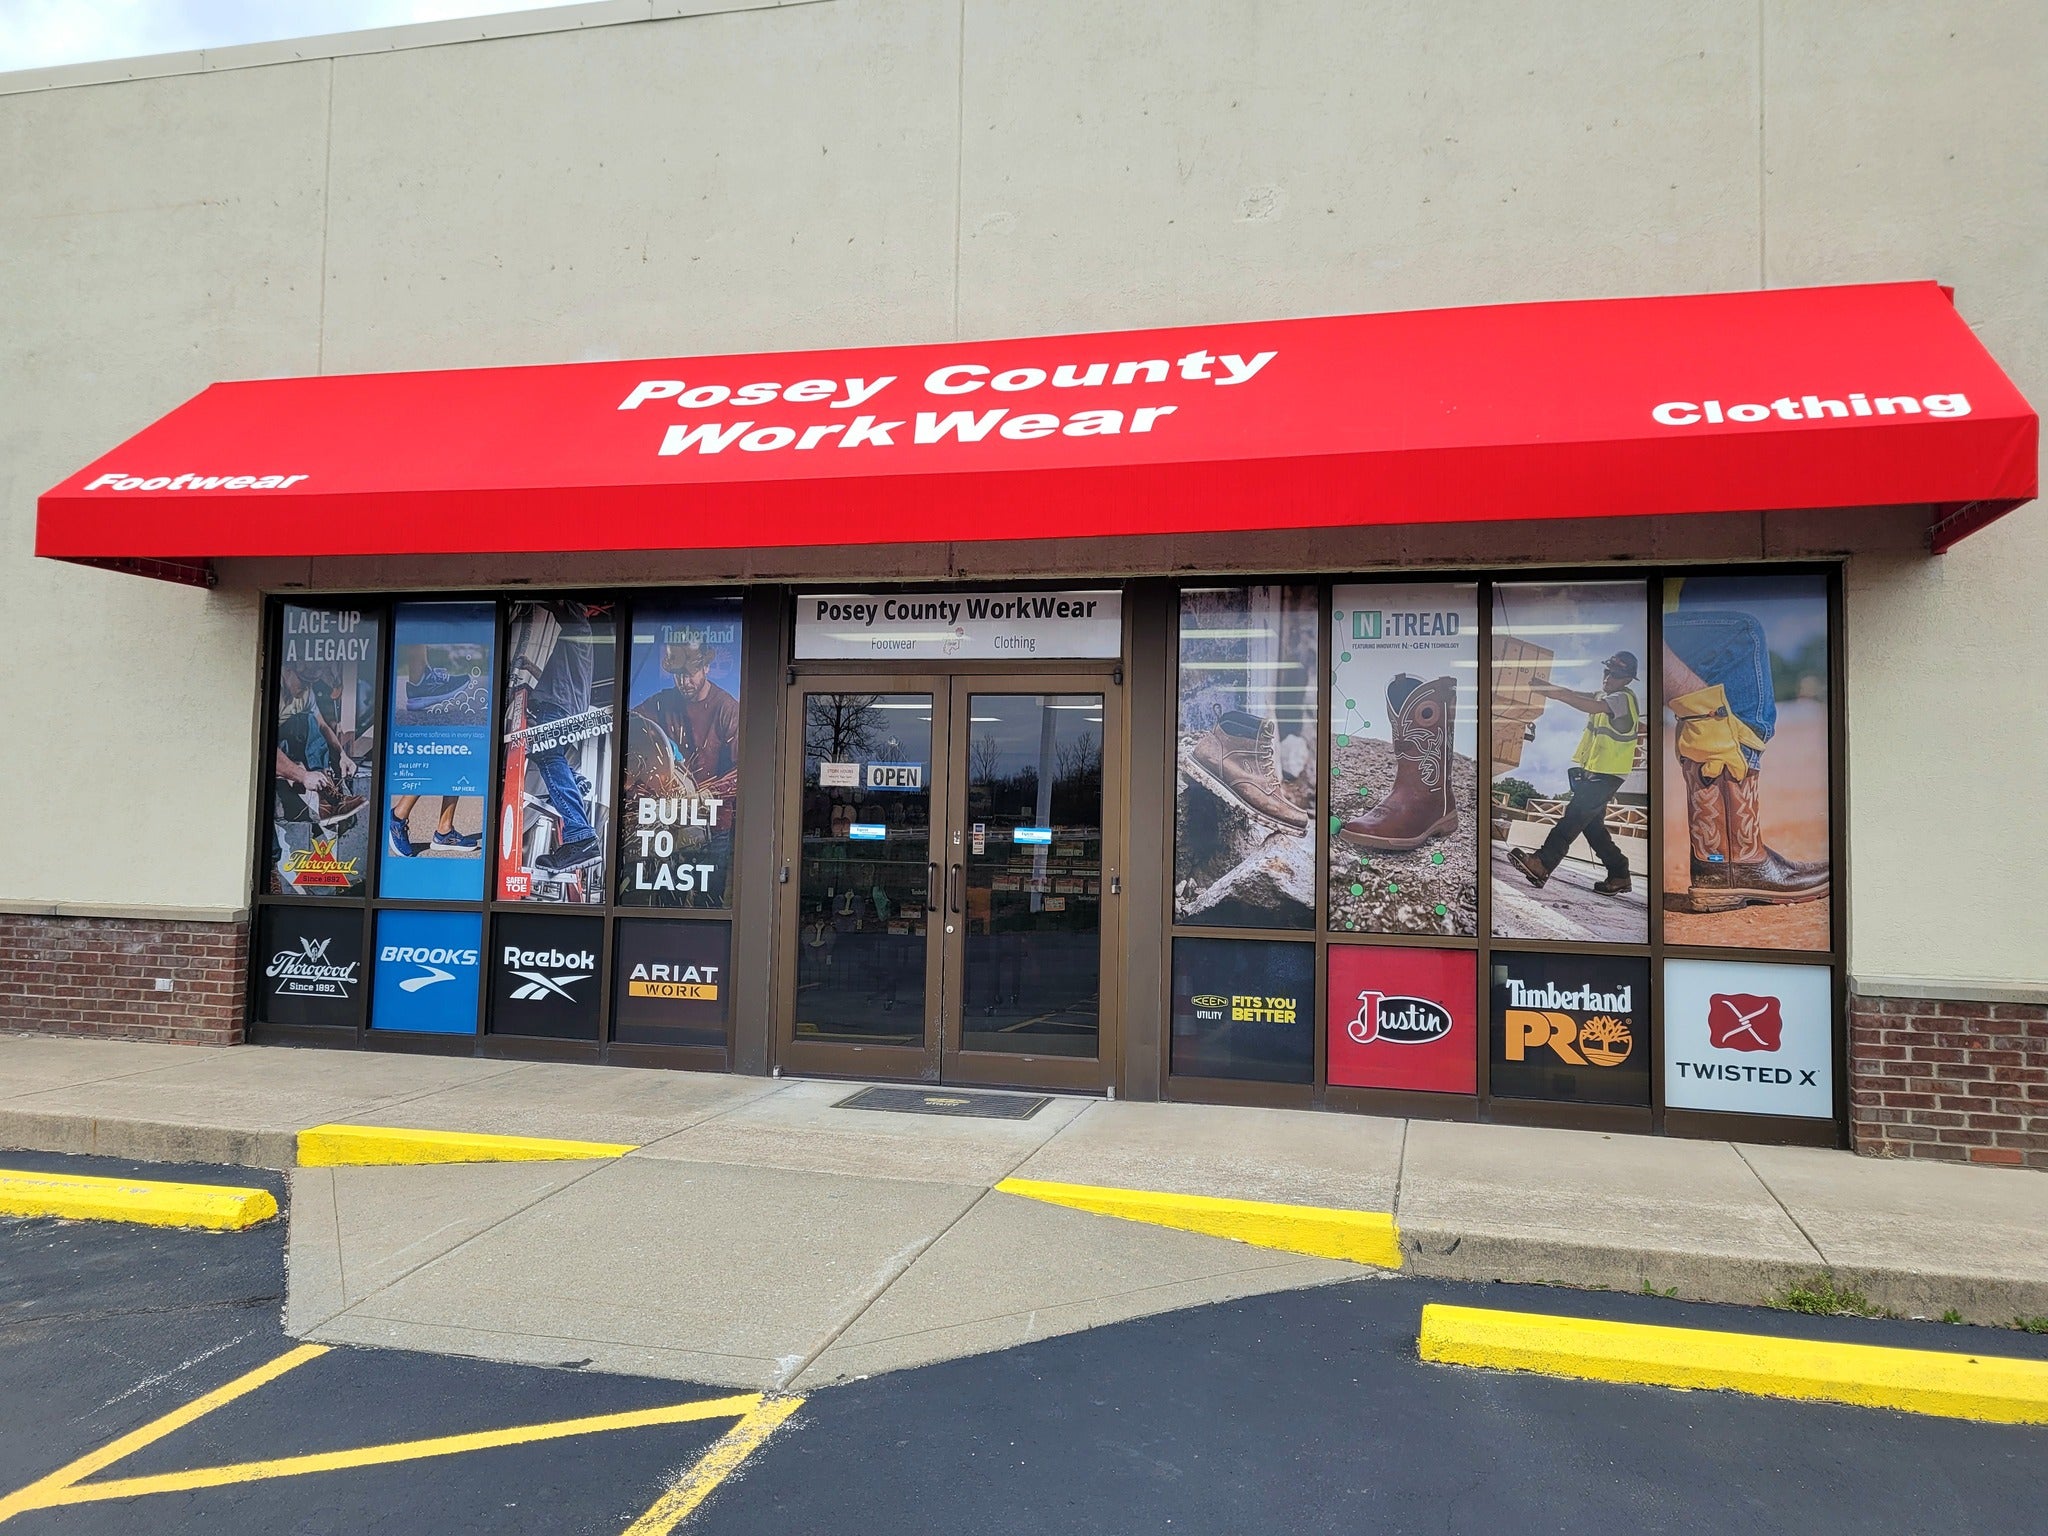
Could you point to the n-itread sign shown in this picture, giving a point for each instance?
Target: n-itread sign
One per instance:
(960, 625)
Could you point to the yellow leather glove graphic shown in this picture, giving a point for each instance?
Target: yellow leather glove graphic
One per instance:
(1712, 735)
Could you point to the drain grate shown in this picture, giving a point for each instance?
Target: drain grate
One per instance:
(946, 1101)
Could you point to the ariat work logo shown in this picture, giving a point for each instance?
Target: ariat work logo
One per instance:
(1603, 1040)
(1398, 1020)
(1742, 1021)
(674, 983)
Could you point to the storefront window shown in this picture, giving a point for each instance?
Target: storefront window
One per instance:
(682, 780)
(555, 795)
(437, 758)
(1245, 810)
(1245, 1009)
(544, 975)
(1404, 1018)
(1745, 765)
(1749, 1038)
(322, 806)
(1571, 846)
(1404, 773)
(1571, 1028)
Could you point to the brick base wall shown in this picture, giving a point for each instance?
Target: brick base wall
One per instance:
(1958, 1081)
(100, 976)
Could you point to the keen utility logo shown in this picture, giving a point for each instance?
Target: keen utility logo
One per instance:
(546, 973)
(428, 960)
(1398, 1020)
(1602, 1040)
(1743, 1021)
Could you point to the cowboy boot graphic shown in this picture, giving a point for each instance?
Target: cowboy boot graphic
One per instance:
(1420, 806)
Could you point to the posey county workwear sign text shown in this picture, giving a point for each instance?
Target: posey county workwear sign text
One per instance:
(962, 625)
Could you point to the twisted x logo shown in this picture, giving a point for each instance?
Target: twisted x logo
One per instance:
(1743, 1021)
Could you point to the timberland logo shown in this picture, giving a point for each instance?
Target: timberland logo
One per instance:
(1398, 1020)
(1602, 1040)
(1742, 1021)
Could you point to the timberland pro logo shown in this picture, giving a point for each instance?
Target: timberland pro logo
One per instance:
(1398, 1020)
(1602, 1040)
(1744, 1021)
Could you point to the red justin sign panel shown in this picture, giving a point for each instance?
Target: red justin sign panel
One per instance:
(1403, 1018)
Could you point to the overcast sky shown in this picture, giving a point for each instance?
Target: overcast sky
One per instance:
(35, 34)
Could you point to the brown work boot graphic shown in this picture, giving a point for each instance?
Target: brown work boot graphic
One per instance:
(1724, 818)
(1420, 806)
(1236, 760)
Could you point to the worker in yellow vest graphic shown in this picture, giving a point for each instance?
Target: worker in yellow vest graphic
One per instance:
(1606, 752)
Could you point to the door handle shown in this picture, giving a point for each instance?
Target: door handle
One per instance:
(953, 888)
(931, 886)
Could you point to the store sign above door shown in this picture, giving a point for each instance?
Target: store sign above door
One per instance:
(1868, 396)
(959, 626)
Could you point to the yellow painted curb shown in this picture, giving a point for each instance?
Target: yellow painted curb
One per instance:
(1364, 1237)
(1993, 1388)
(337, 1146)
(82, 1197)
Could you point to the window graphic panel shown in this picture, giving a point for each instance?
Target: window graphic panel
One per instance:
(429, 966)
(1404, 1018)
(544, 975)
(671, 981)
(1571, 794)
(1755, 1039)
(309, 965)
(555, 795)
(1571, 1028)
(437, 758)
(682, 780)
(1745, 762)
(322, 814)
(1245, 805)
(1244, 1008)
(1404, 772)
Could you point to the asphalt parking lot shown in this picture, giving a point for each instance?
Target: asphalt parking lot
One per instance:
(1305, 1411)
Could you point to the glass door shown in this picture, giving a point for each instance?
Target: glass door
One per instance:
(1028, 855)
(861, 877)
(949, 880)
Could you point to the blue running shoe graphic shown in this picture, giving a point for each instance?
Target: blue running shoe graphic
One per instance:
(399, 838)
(436, 691)
(458, 839)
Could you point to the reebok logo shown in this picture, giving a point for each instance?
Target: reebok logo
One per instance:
(546, 973)
(1742, 1021)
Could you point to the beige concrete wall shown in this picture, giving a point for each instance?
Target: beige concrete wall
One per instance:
(852, 171)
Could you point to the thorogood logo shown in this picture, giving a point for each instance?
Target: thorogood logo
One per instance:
(1743, 1021)
(1603, 1040)
(319, 865)
(307, 972)
(1398, 1020)
(429, 960)
(545, 973)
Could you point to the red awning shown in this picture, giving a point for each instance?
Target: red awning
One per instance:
(1821, 397)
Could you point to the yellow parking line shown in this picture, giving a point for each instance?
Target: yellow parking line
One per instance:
(44, 1491)
(1364, 1237)
(335, 1146)
(150, 1202)
(1993, 1388)
(402, 1450)
(714, 1467)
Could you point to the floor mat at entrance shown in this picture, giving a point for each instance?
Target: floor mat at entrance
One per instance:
(946, 1101)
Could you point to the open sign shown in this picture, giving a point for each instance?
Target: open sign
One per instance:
(895, 775)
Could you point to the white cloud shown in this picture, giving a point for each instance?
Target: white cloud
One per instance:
(36, 34)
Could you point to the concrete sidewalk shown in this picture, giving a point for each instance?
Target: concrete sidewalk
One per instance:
(761, 1236)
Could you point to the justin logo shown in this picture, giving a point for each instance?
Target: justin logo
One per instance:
(1398, 1020)
(1742, 1021)
(1603, 1040)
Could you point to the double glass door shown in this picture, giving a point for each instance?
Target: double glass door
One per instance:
(949, 887)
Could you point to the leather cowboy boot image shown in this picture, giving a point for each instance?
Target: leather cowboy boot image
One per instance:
(1752, 873)
(1235, 758)
(1420, 806)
